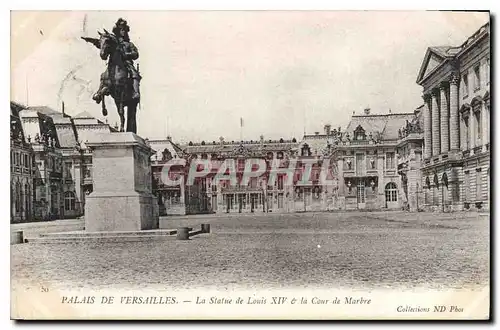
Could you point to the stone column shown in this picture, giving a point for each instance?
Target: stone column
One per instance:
(484, 124)
(436, 140)
(427, 127)
(472, 130)
(454, 118)
(445, 137)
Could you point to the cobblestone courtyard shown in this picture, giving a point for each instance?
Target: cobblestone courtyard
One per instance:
(309, 250)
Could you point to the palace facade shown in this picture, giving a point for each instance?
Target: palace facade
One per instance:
(456, 93)
(433, 158)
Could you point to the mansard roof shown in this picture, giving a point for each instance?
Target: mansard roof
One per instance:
(387, 125)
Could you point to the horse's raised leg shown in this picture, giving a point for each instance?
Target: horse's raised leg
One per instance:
(103, 106)
(131, 112)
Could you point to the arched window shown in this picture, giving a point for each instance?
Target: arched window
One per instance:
(391, 192)
(69, 201)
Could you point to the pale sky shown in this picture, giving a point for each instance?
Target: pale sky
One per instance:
(203, 70)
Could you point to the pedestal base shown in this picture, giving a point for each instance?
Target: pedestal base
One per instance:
(120, 212)
(122, 198)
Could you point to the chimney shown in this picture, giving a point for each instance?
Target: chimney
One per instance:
(328, 127)
(367, 111)
(62, 108)
(316, 133)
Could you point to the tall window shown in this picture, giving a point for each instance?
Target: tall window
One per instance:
(18, 198)
(477, 78)
(389, 160)
(391, 192)
(467, 132)
(280, 181)
(478, 185)
(67, 169)
(479, 128)
(465, 85)
(69, 201)
(360, 164)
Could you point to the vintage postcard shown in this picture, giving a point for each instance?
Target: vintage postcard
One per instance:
(250, 165)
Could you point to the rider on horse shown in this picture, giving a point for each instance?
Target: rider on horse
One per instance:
(129, 53)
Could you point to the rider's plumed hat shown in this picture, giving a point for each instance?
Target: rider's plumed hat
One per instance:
(121, 24)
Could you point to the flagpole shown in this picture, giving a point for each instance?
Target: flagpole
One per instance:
(241, 129)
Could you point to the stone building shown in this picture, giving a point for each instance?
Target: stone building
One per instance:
(373, 164)
(22, 169)
(456, 84)
(202, 196)
(409, 158)
(170, 197)
(367, 161)
(51, 167)
(47, 184)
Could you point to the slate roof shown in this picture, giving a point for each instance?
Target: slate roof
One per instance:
(160, 145)
(15, 108)
(387, 124)
(66, 135)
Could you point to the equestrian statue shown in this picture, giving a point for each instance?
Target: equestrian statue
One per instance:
(121, 78)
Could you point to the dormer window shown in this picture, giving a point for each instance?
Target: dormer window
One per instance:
(359, 133)
(305, 151)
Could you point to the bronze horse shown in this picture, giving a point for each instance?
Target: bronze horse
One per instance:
(116, 80)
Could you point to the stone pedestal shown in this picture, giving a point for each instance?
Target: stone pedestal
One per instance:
(122, 198)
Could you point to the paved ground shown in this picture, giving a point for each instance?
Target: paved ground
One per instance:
(314, 250)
